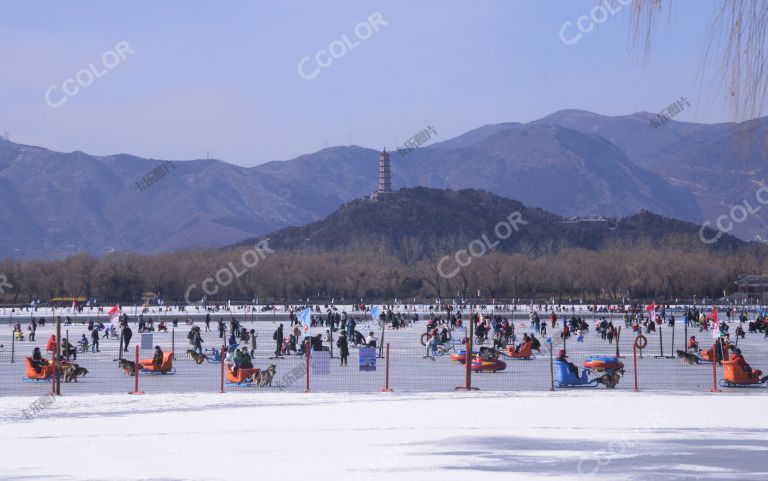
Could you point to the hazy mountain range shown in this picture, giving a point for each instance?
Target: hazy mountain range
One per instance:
(570, 163)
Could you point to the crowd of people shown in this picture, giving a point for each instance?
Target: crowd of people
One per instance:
(497, 329)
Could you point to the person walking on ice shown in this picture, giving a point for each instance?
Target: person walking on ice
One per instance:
(278, 338)
(343, 346)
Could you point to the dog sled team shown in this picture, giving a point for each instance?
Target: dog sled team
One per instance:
(160, 363)
(498, 330)
(737, 371)
(240, 370)
(39, 368)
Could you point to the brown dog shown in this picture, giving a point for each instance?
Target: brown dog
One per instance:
(71, 373)
(611, 378)
(688, 357)
(64, 370)
(264, 378)
(198, 358)
(128, 367)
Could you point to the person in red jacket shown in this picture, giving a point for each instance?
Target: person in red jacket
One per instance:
(692, 344)
(51, 346)
(563, 357)
(739, 359)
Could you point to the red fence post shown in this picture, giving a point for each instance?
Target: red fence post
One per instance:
(136, 374)
(57, 359)
(714, 370)
(53, 376)
(468, 372)
(468, 367)
(551, 368)
(55, 369)
(639, 343)
(307, 352)
(222, 368)
(386, 376)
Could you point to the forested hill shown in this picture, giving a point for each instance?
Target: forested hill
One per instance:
(421, 222)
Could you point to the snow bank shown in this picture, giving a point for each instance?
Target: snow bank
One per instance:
(564, 435)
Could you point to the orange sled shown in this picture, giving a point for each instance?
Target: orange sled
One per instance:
(734, 376)
(525, 352)
(46, 371)
(242, 376)
(706, 354)
(166, 367)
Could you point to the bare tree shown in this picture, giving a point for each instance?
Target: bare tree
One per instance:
(737, 42)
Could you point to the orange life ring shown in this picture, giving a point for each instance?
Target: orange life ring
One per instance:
(602, 363)
(479, 365)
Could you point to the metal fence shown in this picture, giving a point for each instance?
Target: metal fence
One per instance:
(400, 362)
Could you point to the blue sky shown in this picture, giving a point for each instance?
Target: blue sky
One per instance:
(223, 76)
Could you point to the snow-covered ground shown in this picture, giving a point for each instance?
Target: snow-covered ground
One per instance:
(346, 431)
(595, 435)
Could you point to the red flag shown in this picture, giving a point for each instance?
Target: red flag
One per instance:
(651, 307)
(113, 312)
(74, 305)
(716, 328)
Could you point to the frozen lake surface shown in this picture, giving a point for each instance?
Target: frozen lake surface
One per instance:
(512, 429)
(595, 435)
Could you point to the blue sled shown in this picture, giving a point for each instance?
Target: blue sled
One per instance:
(245, 383)
(158, 373)
(213, 355)
(564, 377)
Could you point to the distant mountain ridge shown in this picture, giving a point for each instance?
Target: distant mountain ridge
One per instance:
(556, 168)
(719, 164)
(570, 163)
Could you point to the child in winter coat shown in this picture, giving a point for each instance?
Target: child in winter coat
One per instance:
(253, 341)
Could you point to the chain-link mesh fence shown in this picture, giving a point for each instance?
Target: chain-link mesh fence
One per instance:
(407, 365)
